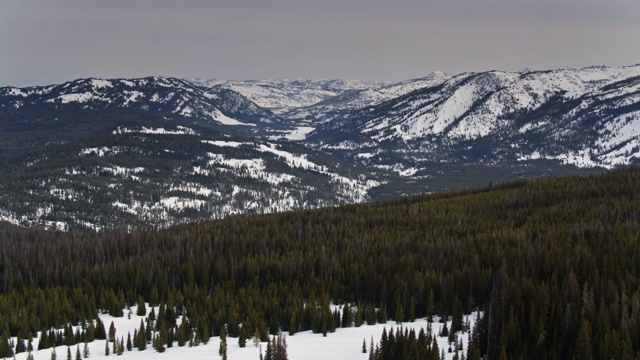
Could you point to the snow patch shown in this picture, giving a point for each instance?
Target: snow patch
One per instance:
(300, 133)
(222, 143)
(180, 130)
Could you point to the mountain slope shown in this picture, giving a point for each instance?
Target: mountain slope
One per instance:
(160, 176)
(91, 105)
(587, 117)
(102, 154)
(286, 95)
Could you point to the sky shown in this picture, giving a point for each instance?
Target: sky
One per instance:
(52, 41)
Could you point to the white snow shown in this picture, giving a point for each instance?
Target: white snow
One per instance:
(225, 120)
(131, 96)
(344, 344)
(222, 143)
(69, 98)
(252, 168)
(101, 151)
(16, 92)
(300, 133)
(472, 105)
(180, 130)
(179, 204)
(194, 188)
(99, 83)
(291, 159)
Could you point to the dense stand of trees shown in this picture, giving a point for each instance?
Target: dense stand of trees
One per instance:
(552, 263)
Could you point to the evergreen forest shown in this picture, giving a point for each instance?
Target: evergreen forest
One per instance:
(552, 264)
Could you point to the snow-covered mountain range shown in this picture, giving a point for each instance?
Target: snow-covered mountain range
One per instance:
(110, 153)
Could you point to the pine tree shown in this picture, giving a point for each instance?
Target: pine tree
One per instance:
(347, 317)
(268, 354)
(112, 332)
(242, 337)
(142, 338)
(583, 343)
(101, 332)
(444, 332)
(106, 348)
(149, 328)
(222, 351)
(206, 334)
(129, 342)
(412, 309)
(399, 318)
(364, 346)
(54, 356)
(183, 333)
(256, 340)
(359, 316)
(141, 310)
(85, 351)
(78, 355)
(90, 335)
(69, 353)
(371, 347)
(431, 307)
(281, 352)
(20, 346)
(158, 343)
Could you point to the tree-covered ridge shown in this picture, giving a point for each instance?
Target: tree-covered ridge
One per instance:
(552, 263)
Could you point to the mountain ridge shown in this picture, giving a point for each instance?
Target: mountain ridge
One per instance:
(157, 151)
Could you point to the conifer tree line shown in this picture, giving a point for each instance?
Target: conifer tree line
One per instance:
(551, 263)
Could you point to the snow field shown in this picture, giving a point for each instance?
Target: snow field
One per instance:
(344, 344)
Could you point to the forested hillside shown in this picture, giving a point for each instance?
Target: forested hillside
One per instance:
(552, 263)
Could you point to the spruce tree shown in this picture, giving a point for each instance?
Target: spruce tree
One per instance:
(347, 317)
(222, 351)
(85, 351)
(141, 310)
(20, 346)
(268, 354)
(583, 343)
(206, 334)
(112, 332)
(142, 338)
(101, 332)
(6, 350)
(256, 340)
(158, 343)
(242, 337)
(90, 334)
(399, 316)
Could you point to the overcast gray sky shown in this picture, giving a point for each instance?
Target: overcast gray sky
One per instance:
(52, 41)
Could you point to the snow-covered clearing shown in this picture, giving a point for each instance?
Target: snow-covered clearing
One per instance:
(344, 344)
(300, 133)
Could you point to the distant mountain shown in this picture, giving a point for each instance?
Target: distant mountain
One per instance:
(588, 118)
(284, 96)
(118, 153)
(92, 105)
